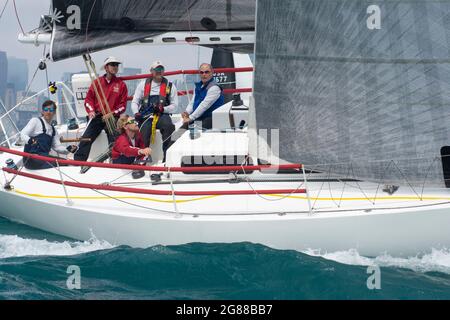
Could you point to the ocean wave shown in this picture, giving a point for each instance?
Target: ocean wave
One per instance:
(15, 246)
(211, 271)
(438, 260)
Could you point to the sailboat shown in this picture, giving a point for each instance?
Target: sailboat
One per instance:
(341, 145)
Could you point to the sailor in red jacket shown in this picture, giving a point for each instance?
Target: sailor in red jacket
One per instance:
(116, 93)
(129, 146)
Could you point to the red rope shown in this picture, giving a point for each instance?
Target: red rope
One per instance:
(154, 192)
(150, 168)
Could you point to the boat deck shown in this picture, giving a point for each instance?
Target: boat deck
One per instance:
(324, 195)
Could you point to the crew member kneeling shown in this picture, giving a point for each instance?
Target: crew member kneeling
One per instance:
(129, 146)
(42, 137)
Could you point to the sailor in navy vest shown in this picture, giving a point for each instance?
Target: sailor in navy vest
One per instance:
(155, 98)
(208, 96)
(41, 137)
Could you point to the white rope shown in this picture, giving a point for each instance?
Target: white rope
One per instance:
(17, 16)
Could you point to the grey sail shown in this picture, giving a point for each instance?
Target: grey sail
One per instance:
(358, 88)
(87, 26)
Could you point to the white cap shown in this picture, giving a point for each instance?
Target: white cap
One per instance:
(111, 60)
(156, 64)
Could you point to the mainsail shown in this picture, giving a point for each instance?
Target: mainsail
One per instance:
(361, 87)
(91, 25)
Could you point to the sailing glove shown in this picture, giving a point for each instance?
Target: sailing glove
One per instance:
(159, 108)
(138, 117)
(72, 148)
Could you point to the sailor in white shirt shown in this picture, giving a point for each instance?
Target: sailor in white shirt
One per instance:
(155, 98)
(207, 97)
(41, 137)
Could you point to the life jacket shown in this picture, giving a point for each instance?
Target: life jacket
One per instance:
(148, 101)
(43, 143)
(200, 95)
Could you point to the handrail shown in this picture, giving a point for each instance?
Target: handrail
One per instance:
(150, 168)
(177, 72)
(152, 191)
(225, 91)
(185, 92)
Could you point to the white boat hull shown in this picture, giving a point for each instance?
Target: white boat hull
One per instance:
(333, 216)
(400, 232)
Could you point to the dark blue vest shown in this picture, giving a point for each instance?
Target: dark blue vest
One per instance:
(200, 94)
(42, 146)
(43, 143)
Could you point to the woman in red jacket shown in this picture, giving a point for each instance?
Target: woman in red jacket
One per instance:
(129, 146)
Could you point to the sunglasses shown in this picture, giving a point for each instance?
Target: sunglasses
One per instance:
(46, 109)
(204, 72)
(132, 121)
(113, 64)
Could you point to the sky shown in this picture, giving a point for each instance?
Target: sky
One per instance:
(174, 57)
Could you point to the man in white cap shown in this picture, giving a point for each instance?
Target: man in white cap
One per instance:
(98, 111)
(154, 100)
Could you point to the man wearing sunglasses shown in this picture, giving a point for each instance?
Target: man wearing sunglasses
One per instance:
(154, 100)
(41, 137)
(208, 96)
(129, 146)
(116, 93)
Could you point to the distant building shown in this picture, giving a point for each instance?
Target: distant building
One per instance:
(10, 95)
(27, 109)
(9, 102)
(131, 71)
(18, 72)
(3, 74)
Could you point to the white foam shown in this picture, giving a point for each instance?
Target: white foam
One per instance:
(15, 246)
(436, 260)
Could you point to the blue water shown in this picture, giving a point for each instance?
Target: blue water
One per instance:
(33, 265)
